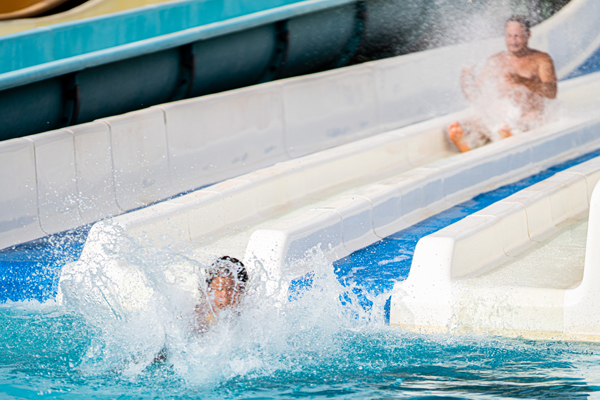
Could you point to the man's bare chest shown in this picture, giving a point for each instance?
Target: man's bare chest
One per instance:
(526, 67)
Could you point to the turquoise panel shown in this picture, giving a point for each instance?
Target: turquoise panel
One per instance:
(229, 45)
(36, 107)
(306, 35)
(232, 61)
(55, 42)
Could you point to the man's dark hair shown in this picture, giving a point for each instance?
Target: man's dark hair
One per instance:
(520, 19)
(228, 267)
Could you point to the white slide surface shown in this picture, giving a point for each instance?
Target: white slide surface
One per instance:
(340, 199)
(317, 160)
(198, 142)
(521, 267)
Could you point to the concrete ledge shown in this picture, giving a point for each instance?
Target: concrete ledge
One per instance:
(233, 205)
(412, 196)
(347, 220)
(58, 206)
(437, 287)
(164, 150)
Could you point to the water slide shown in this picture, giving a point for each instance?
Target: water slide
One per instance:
(338, 159)
(43, 13)
(340, 199)
(521, 267)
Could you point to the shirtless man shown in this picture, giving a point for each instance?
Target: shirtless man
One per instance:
(226, 283)
(515, 85)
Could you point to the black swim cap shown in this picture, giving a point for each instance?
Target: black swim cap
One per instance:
(228, 267)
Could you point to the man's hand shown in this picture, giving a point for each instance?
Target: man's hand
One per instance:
(467, 82)
(544, 89)
(468, 72)
(544, 84)
(515, 78)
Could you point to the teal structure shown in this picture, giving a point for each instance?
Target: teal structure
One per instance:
(77, 72)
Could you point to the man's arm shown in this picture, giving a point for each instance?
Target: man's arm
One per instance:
(467, 83)
(546, 86)
(471, 82)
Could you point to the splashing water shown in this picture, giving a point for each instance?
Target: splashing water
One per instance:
(464, 21)
(264, 336)
(321, 343)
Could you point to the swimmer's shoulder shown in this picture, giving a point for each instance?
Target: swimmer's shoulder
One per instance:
(499, 56)
(497, 59)
(540, 56)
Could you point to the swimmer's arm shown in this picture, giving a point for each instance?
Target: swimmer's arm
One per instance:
(468, 83)
(202, 319)
(471, 84)
(546, 86)
(203, 314)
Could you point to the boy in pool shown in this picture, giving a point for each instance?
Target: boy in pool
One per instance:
(225, 286)
(510, 91)
(226, 283)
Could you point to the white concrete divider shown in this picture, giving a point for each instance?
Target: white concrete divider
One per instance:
(589, 170)
(251, 197)
(69, 171)
(581, 94)
(329, 109)
(94, 165)
(219, 136)
(486, 239)
(286, 242)
(56, 174)
(363, 160)
(401, 201)
(203, 215)
(550, 203)
(419, 193)
(19, 217)
(356, 214)
(140, 158)
(571, 36)
(415, 196)
(581, 302)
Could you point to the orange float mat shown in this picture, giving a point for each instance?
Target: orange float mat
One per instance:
(29, 8)
(21, 15)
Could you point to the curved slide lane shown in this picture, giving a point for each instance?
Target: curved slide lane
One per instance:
(520, 267)
(292, 123)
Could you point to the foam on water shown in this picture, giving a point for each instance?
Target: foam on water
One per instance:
(322, 343)
(299, 352)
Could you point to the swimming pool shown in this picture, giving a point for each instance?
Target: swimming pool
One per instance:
(330, 341)
(307, 352)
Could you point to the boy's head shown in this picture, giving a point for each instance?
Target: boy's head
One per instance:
(226, 280)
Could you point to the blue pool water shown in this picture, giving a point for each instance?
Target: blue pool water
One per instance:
(329, 342)
(45, 353)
